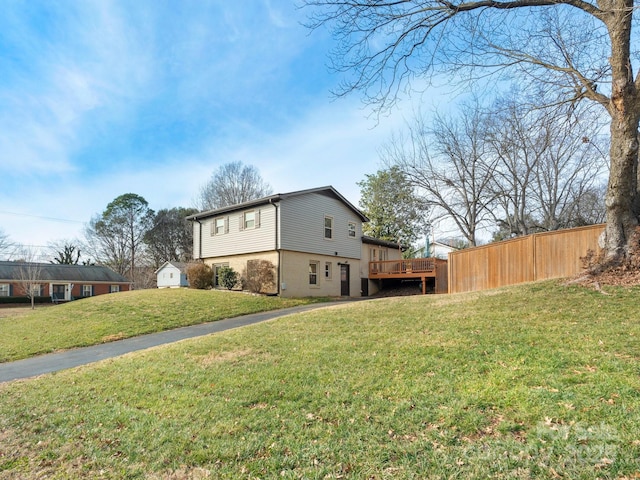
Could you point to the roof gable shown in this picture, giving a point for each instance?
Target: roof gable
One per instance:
(179, 265)
(328, 190)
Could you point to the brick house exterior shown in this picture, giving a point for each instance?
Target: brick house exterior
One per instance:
(60, 282)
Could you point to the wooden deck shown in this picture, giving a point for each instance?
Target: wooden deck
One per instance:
(411, 268)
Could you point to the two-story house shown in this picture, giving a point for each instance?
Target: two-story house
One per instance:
(313, 239)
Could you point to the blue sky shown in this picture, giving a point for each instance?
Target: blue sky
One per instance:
(101, 98)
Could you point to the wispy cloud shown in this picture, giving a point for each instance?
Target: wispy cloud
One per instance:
(101, 98)
(64, 65)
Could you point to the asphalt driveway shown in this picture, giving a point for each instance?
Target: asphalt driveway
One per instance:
(53, 362)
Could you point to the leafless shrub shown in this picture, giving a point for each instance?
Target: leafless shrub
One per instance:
(259, 276)
(200, 276)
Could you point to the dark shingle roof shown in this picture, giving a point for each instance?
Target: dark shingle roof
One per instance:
(179, 265)
(328, 190)
(382, 243)
(67, 273)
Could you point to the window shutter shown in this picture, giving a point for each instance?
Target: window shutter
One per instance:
(226, 225)
(11, 289)
(241, 221)
(213, 228)
(257, 218)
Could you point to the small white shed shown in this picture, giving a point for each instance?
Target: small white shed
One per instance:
(442, 248)
(172, 275)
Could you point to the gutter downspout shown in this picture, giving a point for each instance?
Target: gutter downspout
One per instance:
(277, 245)
(199, 238)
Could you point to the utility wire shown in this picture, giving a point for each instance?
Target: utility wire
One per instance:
(52, 219)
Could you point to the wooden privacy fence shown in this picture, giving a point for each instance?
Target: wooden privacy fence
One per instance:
(524, 259)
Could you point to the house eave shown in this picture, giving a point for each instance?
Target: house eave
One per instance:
(276, 198)
(383, 243)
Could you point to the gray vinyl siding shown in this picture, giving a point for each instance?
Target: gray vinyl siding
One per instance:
(302, 226)
(196, 239)
(236, 241)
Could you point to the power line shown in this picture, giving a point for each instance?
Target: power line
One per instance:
(52, 219)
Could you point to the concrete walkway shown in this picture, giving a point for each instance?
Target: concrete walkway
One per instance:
(53, 362)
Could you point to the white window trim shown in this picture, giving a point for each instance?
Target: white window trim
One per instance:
(324, 231)
(354, 230)
(114, 288)
(87, 288)
(243, 220)
(5, 287)
(328, 272)
(216, 267)
(317, 274)
(224, 226)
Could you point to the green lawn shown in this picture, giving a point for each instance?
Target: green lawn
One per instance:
(121, 315)
(538, 381)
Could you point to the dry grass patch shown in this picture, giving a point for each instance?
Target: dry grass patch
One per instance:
(232, 356)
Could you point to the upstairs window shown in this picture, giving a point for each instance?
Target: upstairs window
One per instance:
(220, 226)
(352, 229)
(250, 220)
(328, 227)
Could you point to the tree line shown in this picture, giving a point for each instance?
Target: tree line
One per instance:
(134, 240)
(505, 169)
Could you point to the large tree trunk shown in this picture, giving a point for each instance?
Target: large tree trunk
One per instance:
(621, 191)
(625, 114)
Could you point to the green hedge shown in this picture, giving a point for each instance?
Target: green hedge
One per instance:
(6, 300)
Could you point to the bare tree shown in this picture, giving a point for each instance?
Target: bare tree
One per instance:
(5, 244)
(525, 170)
(448, 165)
(578, 48)
(30, 275)
(589, 208)
(513, 139)
(570, 170)
(231, 184)
(544, 166)
(65, 253)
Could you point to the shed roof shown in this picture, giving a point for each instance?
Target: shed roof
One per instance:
(11, 271)
(179, 265)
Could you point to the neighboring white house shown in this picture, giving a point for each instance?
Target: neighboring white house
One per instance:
(442, 248)
(172, 275)
(312, 240)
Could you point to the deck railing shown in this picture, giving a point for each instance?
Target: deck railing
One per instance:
(398, 267)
